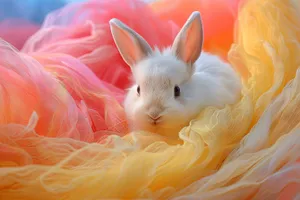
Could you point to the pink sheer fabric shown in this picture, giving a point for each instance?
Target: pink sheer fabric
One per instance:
(82, 31)
(68, 99)
(17, 31)
(70, 73)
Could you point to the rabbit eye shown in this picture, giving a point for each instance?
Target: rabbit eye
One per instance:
(138, 90)
(176, 91)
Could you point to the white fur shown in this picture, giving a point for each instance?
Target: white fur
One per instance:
(207, 81)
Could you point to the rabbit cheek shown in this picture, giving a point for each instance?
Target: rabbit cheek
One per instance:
(177, 116)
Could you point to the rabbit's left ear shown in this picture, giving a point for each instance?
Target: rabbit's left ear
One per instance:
(130, 44)
(187, 45)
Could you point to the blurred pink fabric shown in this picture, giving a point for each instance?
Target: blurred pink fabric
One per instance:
(70, 73)
(68, 99)
(17, 31)
(82, 31)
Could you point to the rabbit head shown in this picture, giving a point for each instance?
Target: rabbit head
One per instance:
(159, 100)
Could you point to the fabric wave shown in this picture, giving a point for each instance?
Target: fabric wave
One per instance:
(218, 26)
(21, 19)
(82, 31)
(68, 99)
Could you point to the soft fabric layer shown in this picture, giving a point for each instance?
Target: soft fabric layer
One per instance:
(67, 97)
(17, 31)
(82, 31)
(218, 18)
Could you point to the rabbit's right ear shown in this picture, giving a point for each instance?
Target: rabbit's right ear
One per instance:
(187, 45)
(130, 44)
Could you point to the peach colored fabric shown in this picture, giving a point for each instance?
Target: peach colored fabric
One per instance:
(218, 19)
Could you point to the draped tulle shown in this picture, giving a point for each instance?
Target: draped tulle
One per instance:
(218, 18)
(63, 127)
(82, 31)
(67, 97)
(21, 19)
(17, 31)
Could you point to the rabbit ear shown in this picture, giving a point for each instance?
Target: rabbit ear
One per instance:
(130, 44)
(187, 45)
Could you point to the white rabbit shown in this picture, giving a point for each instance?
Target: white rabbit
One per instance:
(172, 86)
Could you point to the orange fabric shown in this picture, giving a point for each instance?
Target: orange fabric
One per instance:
(218, 19)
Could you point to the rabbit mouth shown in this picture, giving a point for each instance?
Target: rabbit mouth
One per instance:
(155, 122)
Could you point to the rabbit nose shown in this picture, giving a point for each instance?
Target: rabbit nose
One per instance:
(155, 117)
